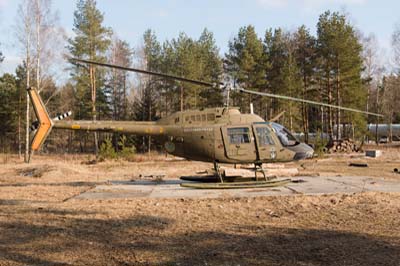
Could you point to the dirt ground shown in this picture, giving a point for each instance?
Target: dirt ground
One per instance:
(41, 223)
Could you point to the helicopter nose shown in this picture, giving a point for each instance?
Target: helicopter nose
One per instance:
(300, 156)
(303, 151)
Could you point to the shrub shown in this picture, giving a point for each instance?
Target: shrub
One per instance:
(319, 144)
(126, 152)
(107, 150)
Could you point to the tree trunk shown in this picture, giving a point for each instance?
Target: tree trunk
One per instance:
(304, 111)
(330, 116)
(38, 48)
(338, 102)
(322, 120)
(181, 98)
(166, 103)
(27, 129)
(92, 74)
(19, 124)
(125, 100)
(27, 157)
(391, 129)
(149, 119)
(377, 118)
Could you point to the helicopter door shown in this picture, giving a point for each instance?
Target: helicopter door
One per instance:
(265, 143)
(239, 143)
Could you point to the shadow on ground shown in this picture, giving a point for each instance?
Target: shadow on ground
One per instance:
(64, 239)
(61, 184)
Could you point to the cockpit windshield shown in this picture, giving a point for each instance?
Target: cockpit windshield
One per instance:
(285, 137)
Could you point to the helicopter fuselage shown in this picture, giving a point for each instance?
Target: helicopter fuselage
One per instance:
(212, 135)
(225, 135)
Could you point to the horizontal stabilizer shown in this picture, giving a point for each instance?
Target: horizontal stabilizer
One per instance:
(35, 125)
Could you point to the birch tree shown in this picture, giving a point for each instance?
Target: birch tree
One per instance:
(117, 82)
(49, 40)
(396, 48)
(24, 32)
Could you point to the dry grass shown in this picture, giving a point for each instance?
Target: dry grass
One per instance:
(42, 224)
(338, 164)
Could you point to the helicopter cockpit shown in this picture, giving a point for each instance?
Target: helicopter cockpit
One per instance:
(289, 141)
(285, 136)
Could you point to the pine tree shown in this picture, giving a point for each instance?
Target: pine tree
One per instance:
(284, 74)
(145, 105)
(291, 80)
(211, 70)
(186, 65)
(340, 55)
(9, 97)
(275, 47)
(21, 82)
(246, 63)
(390, 101)
(305, 57)
(169, 90)
(91, 42)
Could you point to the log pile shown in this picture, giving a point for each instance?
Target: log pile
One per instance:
(343, 146)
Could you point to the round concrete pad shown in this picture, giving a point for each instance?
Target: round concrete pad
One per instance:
(304, 185)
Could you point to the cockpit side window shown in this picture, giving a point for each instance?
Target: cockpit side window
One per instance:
(285, 137)
(264, 136)
(238, 135)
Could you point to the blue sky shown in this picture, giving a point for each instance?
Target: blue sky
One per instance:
(167, 18)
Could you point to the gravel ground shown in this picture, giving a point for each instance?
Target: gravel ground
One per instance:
(41, 223)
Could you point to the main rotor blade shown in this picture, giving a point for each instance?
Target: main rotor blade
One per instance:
(193, 81)
(307, 101)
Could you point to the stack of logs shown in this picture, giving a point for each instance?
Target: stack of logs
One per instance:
(343, 146)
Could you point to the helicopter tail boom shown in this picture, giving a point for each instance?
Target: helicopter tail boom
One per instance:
(128, 127)
(45, 124)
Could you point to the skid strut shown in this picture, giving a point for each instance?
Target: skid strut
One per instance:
(218, 172)
(258, 168)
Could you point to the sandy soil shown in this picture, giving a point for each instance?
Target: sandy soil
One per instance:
(42, 224)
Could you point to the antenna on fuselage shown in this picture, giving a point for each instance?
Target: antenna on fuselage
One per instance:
(227, 96)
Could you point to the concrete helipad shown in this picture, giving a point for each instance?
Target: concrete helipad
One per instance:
(307, 185)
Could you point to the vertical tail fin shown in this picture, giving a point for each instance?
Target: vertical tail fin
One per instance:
(45, 123)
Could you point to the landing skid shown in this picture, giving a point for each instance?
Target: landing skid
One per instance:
(218, 179)
(237, 185)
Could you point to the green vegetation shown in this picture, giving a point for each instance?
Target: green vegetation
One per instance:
(107, 150)
(319, 144)
(125, 151)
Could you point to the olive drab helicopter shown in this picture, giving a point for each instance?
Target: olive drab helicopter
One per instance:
(216, 135)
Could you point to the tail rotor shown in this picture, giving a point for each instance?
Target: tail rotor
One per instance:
(44, 123)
